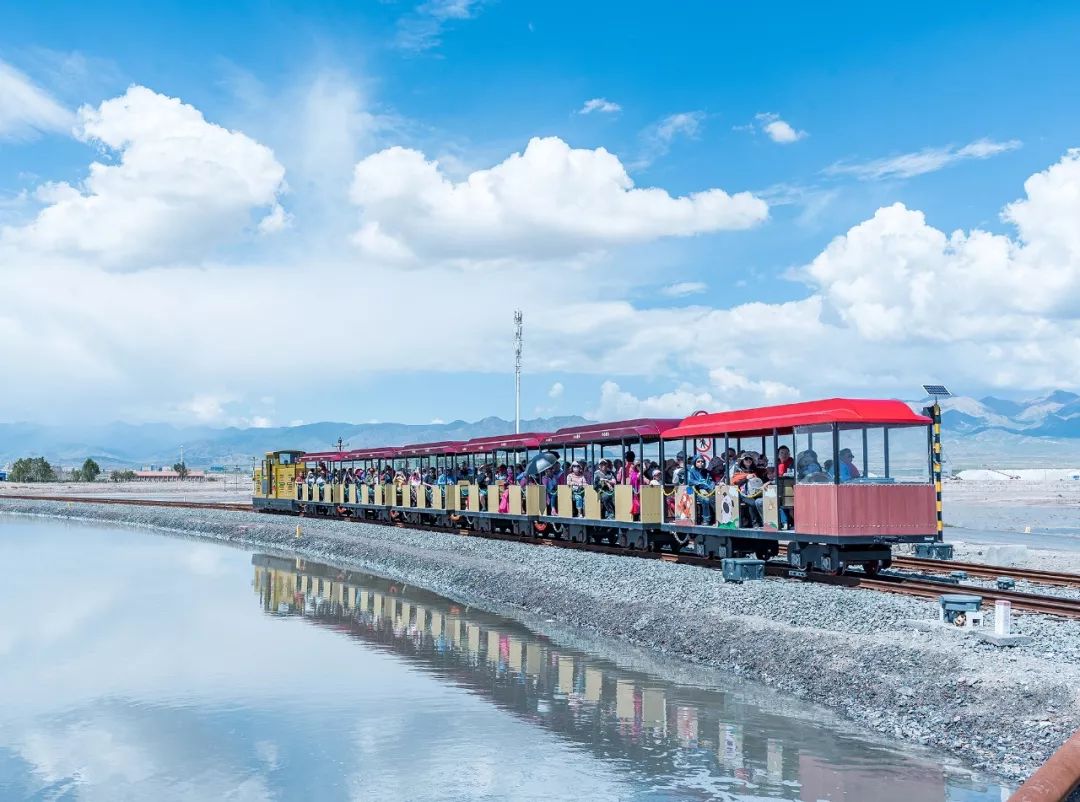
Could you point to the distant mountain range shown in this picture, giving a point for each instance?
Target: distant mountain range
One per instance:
(1054, 415)
(133, 446)
(1043, 432)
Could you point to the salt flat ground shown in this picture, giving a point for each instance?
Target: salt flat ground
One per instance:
(985, 519)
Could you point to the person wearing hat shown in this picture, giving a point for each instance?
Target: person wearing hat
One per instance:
(575, 480)
(604, 485)
(703, 486)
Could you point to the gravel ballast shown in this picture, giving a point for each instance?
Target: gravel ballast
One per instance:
(1003, 711)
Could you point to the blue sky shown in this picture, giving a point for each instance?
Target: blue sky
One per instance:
(824, 117)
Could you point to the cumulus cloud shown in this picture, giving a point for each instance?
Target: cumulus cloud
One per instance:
(180, 186)
(26, 109)
(601, 105)
(684, 288)
(550, 201)
(556, 390)
(927, 160)
(778, 130)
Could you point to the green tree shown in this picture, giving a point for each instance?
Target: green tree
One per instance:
(32, 469)
(89, 472)
(181, 470)
(122, 476)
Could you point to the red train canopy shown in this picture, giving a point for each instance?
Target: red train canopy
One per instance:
(430, 449)
(644, 428)
(504, 442)
(785, 417)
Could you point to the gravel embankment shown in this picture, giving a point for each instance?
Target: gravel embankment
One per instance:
(1000, 710)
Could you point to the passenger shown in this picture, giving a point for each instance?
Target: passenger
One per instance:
(551, 489)
(678, 473)
(808, 469)
(483, 479)
(622, 470)
(828, 469)
(633, 478)
(848, 471)
(784, 462)
(704, 490)
(576, 482)
(656, 477)
(604, 484)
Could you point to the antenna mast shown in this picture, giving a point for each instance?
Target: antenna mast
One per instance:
(518, 318)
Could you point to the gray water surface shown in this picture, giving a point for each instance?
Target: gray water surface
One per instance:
(139, 666)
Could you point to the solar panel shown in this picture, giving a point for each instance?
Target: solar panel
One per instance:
(936, 390)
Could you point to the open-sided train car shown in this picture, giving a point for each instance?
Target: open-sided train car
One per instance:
(858, 477)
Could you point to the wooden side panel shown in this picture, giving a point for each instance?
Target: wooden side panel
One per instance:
(624, 500)
(894, 509)
(564, 498)
(815, 509)
(438, 497)
(533, 494)
(421, 497)
(652, 501)
(592, 504)
(865, 509)
(515, 499)
(474, 498)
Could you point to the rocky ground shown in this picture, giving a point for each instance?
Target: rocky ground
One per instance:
(1000, 710)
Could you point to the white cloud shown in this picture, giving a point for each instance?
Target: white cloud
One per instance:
(181, 186)
(657, 139)
(684, 288)
(599, 104)
(277, 220)
(927, 160)
(617, 404)
(422, 29)
(777, 129)
(26, 109)
(550, 201)
(556, 390)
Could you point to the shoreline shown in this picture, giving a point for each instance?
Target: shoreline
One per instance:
(1000, 712)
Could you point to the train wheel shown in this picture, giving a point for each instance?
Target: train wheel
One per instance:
(872, 567)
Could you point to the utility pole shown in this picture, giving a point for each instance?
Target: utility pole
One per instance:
(518, 318)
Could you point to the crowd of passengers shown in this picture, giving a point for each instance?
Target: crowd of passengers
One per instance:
(749, 473)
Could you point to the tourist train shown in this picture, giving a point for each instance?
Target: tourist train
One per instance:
(839, 480)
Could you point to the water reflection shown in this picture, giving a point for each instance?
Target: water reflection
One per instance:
(675, 741)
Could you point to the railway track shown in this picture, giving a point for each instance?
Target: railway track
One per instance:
(926, 588)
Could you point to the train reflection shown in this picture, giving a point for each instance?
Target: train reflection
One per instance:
(697, 740)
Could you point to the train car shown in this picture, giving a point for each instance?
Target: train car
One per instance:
(609, 511)
(859, 476)
(505, 504)
(852, 477)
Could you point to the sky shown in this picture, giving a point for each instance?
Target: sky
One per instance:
(256, 214)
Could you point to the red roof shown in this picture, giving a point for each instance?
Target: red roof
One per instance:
(784, 417)
(324, 456)
(383, 452)
(427, 449)
(611, 432)
(348, 456)
(504, 442)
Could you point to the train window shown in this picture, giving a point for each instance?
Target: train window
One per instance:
(285, 459)
(908, 454)
(813, 454)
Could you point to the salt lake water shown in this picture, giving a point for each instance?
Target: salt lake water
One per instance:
(135, 665)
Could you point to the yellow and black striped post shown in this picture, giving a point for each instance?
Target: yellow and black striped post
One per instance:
(935, 414)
